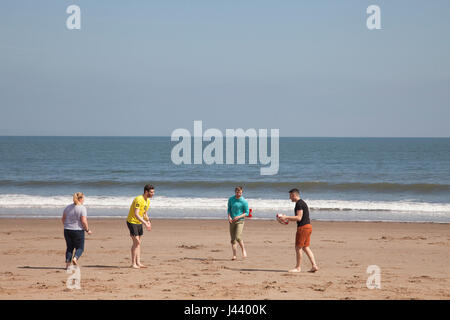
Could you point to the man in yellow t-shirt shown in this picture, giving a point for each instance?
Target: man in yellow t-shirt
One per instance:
(136, 217)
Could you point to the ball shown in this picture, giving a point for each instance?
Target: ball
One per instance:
(281, 220)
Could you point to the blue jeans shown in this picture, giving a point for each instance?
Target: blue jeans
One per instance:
(74, 240)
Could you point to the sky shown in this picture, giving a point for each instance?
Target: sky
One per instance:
(146, 68)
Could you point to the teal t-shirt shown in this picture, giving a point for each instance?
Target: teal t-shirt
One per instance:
(236, 207)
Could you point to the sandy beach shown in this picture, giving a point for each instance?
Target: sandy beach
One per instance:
(190, 259)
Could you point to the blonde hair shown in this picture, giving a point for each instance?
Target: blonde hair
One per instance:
(77, 196)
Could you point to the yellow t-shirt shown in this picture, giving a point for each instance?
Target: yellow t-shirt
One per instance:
(138, 203)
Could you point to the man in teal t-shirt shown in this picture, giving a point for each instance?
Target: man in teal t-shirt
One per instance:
(237, 211)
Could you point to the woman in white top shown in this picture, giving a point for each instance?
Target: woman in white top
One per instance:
(75, 224)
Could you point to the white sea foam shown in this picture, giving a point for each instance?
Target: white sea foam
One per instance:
(181, 203)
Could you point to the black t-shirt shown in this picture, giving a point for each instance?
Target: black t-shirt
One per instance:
(301, 205)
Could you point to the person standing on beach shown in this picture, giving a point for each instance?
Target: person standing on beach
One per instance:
(75, 224)
(304, 230)
(136, 217)
(237, 211)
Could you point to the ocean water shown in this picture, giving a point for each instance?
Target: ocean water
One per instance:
(344, 179)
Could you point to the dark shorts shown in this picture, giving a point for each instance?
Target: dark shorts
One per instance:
(303, 236)
(135, 229)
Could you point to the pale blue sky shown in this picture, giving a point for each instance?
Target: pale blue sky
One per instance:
(308, 68)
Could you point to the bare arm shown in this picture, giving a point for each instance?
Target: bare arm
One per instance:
(239, 217)
(146, 217)
(136, 214)
(229, 211)
(298, 216)
(84, 222)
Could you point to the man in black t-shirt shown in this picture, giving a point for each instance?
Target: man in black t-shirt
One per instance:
(304, 230)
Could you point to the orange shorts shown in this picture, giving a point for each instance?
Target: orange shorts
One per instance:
(303, 236)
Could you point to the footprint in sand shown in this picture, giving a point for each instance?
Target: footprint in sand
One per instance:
(414, 281)
(321, 288)
(413, 238)
(423, 278)
(288, 275)
(39, 285)
(195, 246)
(438, 243)
(335, 241)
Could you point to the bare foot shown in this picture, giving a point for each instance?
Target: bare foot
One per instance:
(295, 270)
(135, 266)
(142, 266)
(74, 260)
(234, 258)
(314, 269)
(244, 254)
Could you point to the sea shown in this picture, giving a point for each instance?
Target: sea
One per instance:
(341, 179)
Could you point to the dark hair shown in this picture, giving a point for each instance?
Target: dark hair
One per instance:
(295, 191)
(238, 188)
(148, 187)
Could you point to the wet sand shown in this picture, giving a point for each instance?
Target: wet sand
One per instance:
(191, 259)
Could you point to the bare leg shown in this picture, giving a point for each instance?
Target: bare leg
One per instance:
(138, 254)
(310, 255)
(241, 244)
(134, 249)
(298, 255)
(234, 249)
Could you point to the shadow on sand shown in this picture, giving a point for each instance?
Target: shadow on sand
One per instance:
(42, 268)
(235, 269)
(206, 259)
(63, 268)
(105, 267)
(260, 270)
